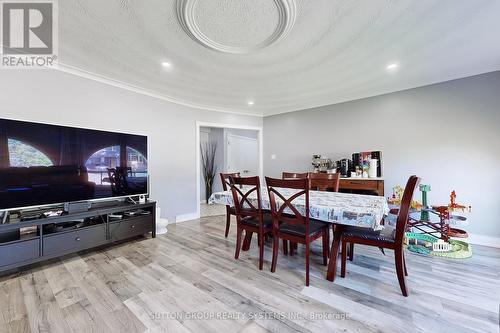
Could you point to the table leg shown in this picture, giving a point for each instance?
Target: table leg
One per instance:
(332, 262)
(247, 241)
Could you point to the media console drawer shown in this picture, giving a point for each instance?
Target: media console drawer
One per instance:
(20, 251)
(130, 227)
(74, 240)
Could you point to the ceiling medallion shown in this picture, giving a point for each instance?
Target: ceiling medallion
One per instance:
(287, 13)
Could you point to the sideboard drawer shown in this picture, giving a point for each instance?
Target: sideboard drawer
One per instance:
(74, 240)
(18, 252)
(130, 227)
(359, 184)
(362, 185)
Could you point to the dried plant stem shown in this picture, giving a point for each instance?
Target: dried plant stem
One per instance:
(208, 152)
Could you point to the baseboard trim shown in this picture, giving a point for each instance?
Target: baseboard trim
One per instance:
(484, 240)
(187, 217)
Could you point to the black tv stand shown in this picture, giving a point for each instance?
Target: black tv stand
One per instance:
(50, 237)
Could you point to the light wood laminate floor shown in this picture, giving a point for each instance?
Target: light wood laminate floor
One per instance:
(180, 281)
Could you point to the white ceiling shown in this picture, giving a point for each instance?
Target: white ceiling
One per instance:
(284, 55)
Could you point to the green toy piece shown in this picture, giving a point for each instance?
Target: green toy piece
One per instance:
(422, 244)
(424, 215)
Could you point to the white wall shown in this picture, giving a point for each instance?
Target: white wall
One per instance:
(242, 132)
(55, 97)
(448, 134)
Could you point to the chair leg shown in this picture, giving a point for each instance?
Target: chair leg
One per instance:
(344, 258)
(398, 254)
(285, 247)
(276, 246)
(261, 251)
(351, 251)
(327, 242)
(239, 231)
(325, 246)
(228, 222)
(292, 249)
(404, 263)
(247, 240)
(307, 264)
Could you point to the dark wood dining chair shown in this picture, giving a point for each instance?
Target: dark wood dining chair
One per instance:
(324, 181)
(250, 218)
(350, 252)
(294, 175)
(355, 235)
(289, 224)
(118, 179)
(224, 177)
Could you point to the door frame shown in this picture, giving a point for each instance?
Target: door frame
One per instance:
(200, 124)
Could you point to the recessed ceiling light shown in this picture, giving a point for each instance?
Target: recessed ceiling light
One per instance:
(166, 64)
(392, 67)
(251, 103)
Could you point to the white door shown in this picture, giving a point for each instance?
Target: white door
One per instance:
(242, 155)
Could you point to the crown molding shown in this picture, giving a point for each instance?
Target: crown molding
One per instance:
(139, 90)
(287, 14)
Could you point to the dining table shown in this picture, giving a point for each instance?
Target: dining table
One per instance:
(340, 209)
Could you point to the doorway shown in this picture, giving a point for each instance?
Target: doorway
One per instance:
(235, 149)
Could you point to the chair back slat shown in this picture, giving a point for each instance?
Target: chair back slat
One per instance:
(404, 210)
(294, 175)
(287, 203)
(241, 196)
(279, 213)
(224, 177)
(324, 181)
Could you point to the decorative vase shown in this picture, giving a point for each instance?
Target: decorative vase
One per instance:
(161, 224)
(208, 190)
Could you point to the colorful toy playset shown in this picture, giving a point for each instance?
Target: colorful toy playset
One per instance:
(434, 237)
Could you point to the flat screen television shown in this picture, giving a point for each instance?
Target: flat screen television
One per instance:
(44, 164)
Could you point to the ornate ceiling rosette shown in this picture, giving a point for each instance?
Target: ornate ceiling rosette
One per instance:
(237, 27)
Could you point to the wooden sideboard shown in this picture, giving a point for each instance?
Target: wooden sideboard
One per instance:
(375, 185)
